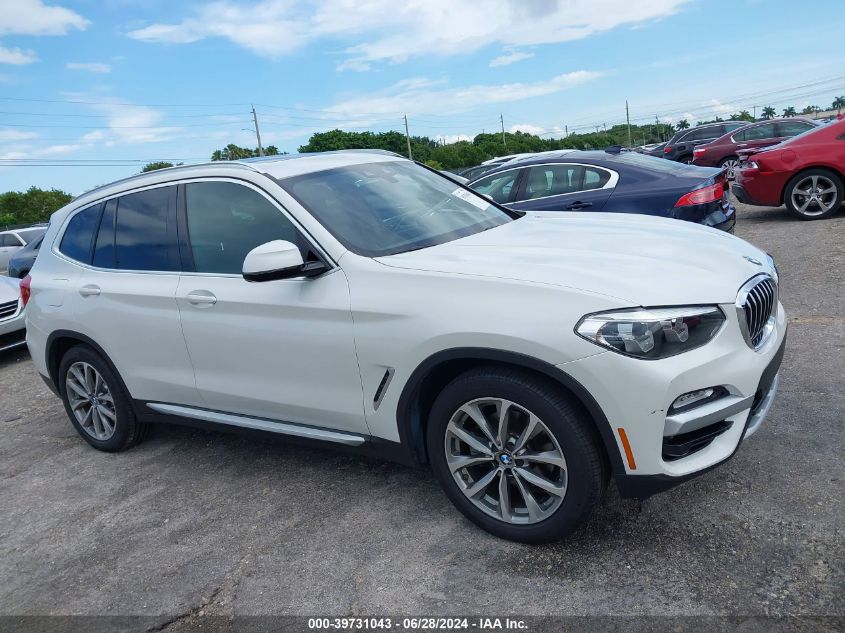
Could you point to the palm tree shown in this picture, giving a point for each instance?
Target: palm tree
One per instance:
(769, 112)
(790, 111)
(683, 124)
(839, 103)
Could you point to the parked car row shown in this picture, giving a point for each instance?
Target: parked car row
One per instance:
(358, 299)
(13, 240)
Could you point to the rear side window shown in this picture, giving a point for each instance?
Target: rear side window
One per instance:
(226, 221)
(145, 231)
(552, 180)
(595, 178)
(760, 132)
(104, 247)
(79, 234)
(7, 240)
(793, 128)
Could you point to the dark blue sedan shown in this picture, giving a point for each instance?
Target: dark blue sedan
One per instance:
(611, 181)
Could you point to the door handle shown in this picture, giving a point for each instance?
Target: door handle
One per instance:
(89, 290)
(575, 206)
(201, 298)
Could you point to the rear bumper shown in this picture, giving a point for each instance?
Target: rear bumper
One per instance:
(718, 215)
(757, 188)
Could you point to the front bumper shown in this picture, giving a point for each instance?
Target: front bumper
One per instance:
(665, 449)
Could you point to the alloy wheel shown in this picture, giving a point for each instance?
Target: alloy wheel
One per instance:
(730, 167)
(506, 461)
(814, 195)
(91, 401)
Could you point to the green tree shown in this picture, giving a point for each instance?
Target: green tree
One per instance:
(159, 164)
(790, 111)
(30, 206)
(839, 103)
(683, 124)
(234, 152)
(811, 109)
(769, 112)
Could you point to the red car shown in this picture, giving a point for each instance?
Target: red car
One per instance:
(723, 152)
(806, 173)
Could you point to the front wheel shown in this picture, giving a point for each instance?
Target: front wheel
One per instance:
(515, 455)
(814, 194)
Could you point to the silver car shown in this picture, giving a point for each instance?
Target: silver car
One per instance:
(12, 332)
(12, 241)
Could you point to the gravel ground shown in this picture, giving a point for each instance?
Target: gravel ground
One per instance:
(194, 522)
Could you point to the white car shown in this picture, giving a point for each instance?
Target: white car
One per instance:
(13, 240)
(359, 299)
(11, 315)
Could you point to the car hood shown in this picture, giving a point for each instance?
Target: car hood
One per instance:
(636, 259)
(9, 289)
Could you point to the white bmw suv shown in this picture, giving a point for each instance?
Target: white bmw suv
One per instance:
(361, 300)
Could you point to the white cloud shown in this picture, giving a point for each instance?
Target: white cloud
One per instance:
(372, 31)
(510, 58)
(17, 56)
(33, 17)
(91, 67)
(419, 95)
(7, 135)
(454, 138)
(722, 108)
(528, 128)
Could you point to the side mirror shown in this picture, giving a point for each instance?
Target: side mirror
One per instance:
(278, 260)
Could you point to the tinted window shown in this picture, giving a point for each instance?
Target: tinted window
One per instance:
(793, 128)
(79, 234)
(388, 207)
(7, 239)
(760, 132)
(552, 180)
(497, 186)
(226, 221)
(595, 178)
(30, 234)
(142, 231)
(699, 134)
(104, 247)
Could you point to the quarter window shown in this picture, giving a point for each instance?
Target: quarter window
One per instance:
(79, 234)
(104, 246)
(145, 230)
(8, 240)
(595, 178)
(226, 221)
(497, 186)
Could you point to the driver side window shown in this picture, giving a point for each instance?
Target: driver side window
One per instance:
(227, 220)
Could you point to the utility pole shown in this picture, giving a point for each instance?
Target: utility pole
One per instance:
(257, 132)
(502, 119)
(657, 126)
(566, 129)
(755, 113)
(628, 118)
(408, 139)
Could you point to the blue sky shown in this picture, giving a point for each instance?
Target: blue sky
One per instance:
(140, 80)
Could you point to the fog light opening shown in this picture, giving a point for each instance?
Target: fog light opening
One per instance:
(697, 397)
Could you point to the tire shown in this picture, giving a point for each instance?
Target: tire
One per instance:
(686, 160)
(729, 164)
(78, 370)
(823, 195)
(581, 475)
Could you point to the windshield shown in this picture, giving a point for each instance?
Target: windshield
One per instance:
(30, 234)
(392, 207)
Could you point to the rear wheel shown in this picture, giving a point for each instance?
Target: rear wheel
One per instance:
(814, 194)
(729, 164)
(96, 403)
(514, 455)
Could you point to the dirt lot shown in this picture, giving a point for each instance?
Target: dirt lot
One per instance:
(193, 521)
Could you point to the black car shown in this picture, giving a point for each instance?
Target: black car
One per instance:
(611, 181)
(22, 261)
(679, 147)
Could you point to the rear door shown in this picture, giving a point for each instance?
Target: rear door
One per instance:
(501, 186)
(564, 187)
(125, 300)
(758, 136)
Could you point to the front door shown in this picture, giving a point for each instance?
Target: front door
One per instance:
(564, 187)
(282, 350)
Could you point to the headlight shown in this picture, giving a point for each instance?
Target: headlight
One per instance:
(652, 333)
(774, 267)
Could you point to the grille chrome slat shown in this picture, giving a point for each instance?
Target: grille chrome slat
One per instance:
(8, 309)
(755, 305)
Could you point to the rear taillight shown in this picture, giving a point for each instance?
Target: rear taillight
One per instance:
(698, 151)
(711, 193)
(667, 149)
(25, 289)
